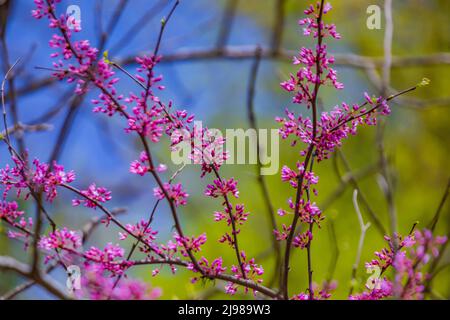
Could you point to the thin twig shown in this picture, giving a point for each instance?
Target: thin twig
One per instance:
(363, 226)
(260, 178)
(226, 24)
(437, 215)
(278, 26)
(345, 181)
(12, 95)
(374, 216)
(138, 26)
(336, 252)
(384, 166)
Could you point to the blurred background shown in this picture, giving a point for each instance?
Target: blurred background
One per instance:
(415, 138)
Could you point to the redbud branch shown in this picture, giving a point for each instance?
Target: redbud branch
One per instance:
(86, 231)
(164, 22)
(109, 214)
(149, 221)
(163, 27)
(36, 196)
(18, 226)
(141, 136)
(5, 122)
(418, 260)
(225, 277)
(432, 225)
(233, 225)
(284, 286)
(347, 179)
(391, 97)
(170, 261)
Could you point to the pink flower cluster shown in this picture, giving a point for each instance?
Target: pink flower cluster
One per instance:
(174, 191)
(409, 261)
(40, 177)
(252, 271)
(211, 269)
(94, 195)
(96, 286)
(234, 215)
(315, 62)
(323, 292)
(289, 175)
(219, 188)
(10, 213)
(333, 126)
(61, 239)
(110, 258)
(190, 243)
(302, 239)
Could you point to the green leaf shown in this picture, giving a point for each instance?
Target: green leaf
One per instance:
(105, 57)
(424, 82)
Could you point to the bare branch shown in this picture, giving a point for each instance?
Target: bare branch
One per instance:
(363, 228)
(261, 180)
(226, 24)
(278, 26)
(11, 264)
(434, 221)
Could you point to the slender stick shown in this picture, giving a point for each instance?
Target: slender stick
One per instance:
(278, 27)
(437, 215)
(226, 24)
(284, 286)
(373, 215)
(363, 226)
(388, 190)
(261, 180)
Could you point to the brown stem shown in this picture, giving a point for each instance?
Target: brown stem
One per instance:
(233, 225)
(309, 155)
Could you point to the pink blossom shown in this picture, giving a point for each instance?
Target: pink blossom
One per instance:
(40, 176)
(96, 286)
(10, 211)
(110, 258)
(190, 243)
(175, 193)
(95, 195)
(220, 188)
(302, 239)
(60, 239)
